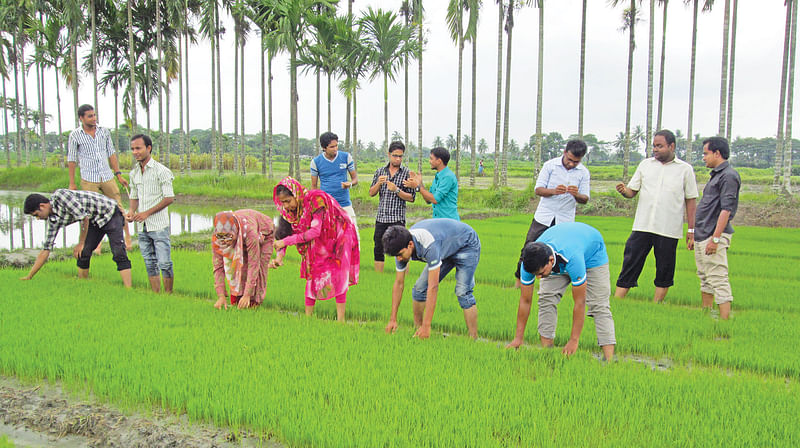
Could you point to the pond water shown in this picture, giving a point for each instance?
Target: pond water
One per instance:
(18, 230)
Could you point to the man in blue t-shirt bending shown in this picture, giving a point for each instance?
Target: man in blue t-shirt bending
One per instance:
(566, 253)
(329, 173)
(443, 244)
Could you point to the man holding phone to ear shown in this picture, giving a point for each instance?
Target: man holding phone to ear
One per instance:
(562, 184)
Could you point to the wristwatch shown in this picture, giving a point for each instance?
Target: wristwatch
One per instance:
(417, 189)
(715, 240)
(117, 173)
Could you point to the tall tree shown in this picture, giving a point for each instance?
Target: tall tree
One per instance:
(354, 53)
(455, 22)
(650, 49)
(389, 41)
(776, 180)
(471, 35)
(582, 70)
(208, 27)
(629, 19)
(660, 107)
(729, 121)
(723, 95)
(787, 158)
(707, 5)
(500, 17)
(537, 162)
(419, 15)
(131, 67)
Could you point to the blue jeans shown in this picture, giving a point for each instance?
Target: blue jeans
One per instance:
(465, 262)
(155, 249)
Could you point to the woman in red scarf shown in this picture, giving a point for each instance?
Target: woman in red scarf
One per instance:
(325, 238)
(242, 247)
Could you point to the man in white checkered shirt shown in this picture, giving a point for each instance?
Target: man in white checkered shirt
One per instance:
(99, 216)
(90, 148)
(388, 181)
(151, 194)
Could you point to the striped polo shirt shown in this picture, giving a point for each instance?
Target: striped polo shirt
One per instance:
(149, 188)
(91, 153)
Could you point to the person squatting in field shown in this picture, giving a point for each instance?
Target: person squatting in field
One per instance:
(443, 244)
(99, 216)
(668, 190)
(713, 230)
(387, 182)
(567, 253)
(241, 245)
(151, 194)
(326, 239)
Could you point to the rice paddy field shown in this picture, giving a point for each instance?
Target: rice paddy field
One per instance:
(681, 378)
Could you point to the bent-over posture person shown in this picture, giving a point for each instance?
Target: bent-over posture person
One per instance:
(567, 253)
(443, 244)
(99, 216)
(326, 239)
(151, 195)
(242, 248)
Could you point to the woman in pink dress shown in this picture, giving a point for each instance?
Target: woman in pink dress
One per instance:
(242, 247)
(325, 238)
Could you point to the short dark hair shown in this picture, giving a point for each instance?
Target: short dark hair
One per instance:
(282, 189)
(397, 145)
(84, 108)
(718, 144)
(535, 256)
(395, 239)
(146, 138)
(668, 136)
(33, 201)
(283, 229)
(442, 154)
(576, 147)
(326, 139)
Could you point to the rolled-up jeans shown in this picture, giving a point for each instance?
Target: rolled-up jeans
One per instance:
(156, 251)
(598, 291)
(465, 262)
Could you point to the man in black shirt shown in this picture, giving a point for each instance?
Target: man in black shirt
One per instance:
(713, 230)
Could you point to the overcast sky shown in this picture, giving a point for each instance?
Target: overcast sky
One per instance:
(756, 93)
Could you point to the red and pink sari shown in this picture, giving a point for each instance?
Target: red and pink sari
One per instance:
(325, 238)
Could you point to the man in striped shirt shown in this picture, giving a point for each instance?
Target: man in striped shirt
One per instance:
(91, 149)
(151, 192)
(99, 216)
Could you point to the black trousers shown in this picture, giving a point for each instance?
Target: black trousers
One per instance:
(534, 232)
(636, 250)
(94, 235)
(380, 229)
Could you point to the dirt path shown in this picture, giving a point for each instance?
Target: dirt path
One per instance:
(43, 415)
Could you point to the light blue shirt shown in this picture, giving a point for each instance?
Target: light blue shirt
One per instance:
(576, 247)
(438, 239)
(561, 206)
(445, 190)
(332, 173)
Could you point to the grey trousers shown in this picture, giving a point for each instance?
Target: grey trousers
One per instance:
(598, 291)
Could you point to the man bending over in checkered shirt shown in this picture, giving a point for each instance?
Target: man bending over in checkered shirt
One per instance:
(99, 216)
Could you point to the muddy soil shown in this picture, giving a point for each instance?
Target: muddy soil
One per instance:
(43, 415)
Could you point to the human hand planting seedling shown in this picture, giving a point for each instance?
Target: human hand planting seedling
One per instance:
(220, 303)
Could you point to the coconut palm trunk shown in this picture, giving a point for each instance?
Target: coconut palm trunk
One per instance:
(236, 100)
(419, 82)
(689, 147)
(626, 160)
(318, 76)
(17, 112)
(220, 147)
(460, 31)
(650, 50)
(509, 30)
(723, 96)
(537, 164)
(355, 124)
(182, 142)
(62, 150)
(776, 179)
(93, 12)
(241, 110)
(25, 114)
(159, 69)
(293, 128)
(501, 14)
(263, 110)
(729, 121)
(581, 90)
(5, 121)
(131, 65)
(42, 113)
(214, 142)
(473, 130)
(787, 157)
(188, 143)
(269, 106)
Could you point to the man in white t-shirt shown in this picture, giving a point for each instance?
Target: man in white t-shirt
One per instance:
(668, 192)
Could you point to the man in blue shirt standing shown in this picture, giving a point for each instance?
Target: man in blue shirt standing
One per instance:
(329, 170)
(443, 244)
(562, 184)
(567, 253)
(443, 193)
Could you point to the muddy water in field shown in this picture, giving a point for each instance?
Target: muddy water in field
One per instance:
(43, 415)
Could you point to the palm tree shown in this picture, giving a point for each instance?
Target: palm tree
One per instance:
(537, 163)
(208, 27)
(438, 142)
(583, 70)
(6, 52)
(321, 56)
(776, 180)
(500, 17)
(406, 12)
(660, 107)
(723, 97)
(787, 158)
(707, 5)
(389, 41)
(418, 13)
(93, 19)
(649, 125)
(455, 22)
(354, 53)
(131, 67)
(261, 15)
(471, 35)
(729, 120)
(629, 19)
